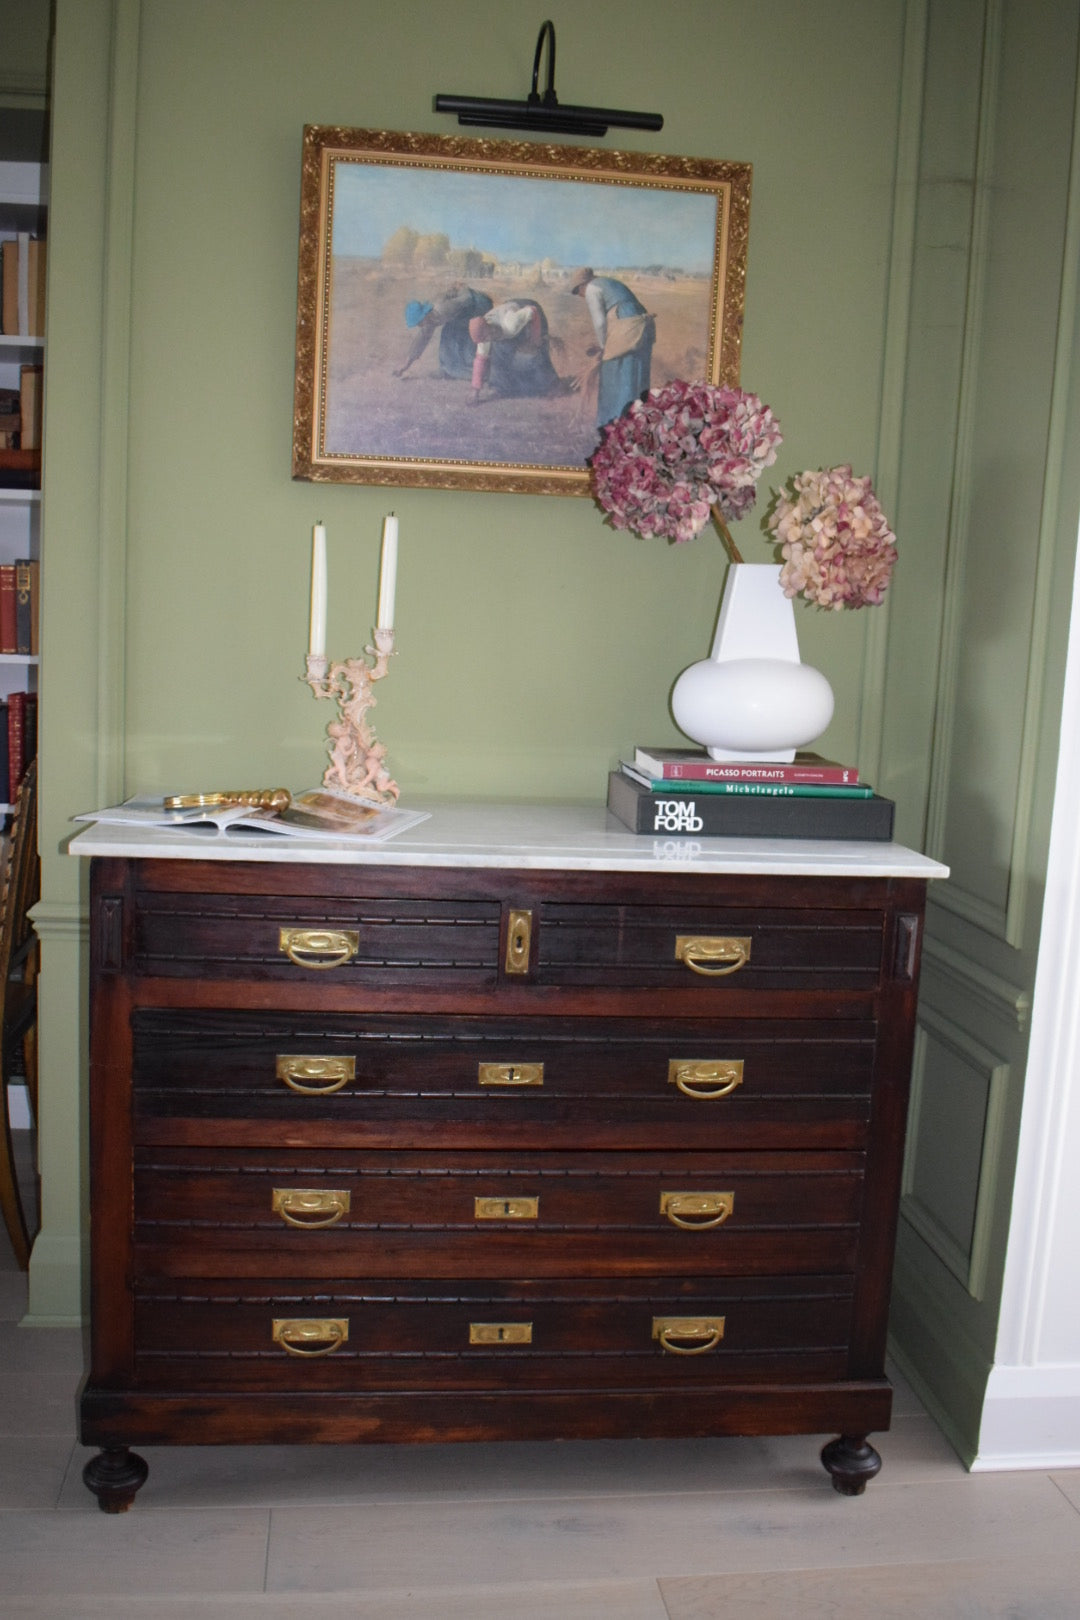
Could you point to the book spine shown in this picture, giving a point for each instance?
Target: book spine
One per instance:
(7, 608)
(30, 728)
(767, 790)
(9, 296)
(6, 795)
(16, 729)
(736, 816)
(30, 407)
(26, 606)
(677, 770)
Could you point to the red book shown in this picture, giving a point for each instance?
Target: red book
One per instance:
(695, 765)
(8, 608)
(16, 724)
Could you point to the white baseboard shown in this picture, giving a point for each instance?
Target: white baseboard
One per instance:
(1030, 1419)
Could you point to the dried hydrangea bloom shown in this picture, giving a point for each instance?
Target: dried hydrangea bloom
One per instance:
(682, 450)
(838, 548)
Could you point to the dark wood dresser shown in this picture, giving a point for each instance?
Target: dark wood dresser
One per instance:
(486, 1135)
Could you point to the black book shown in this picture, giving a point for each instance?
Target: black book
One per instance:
(6, 795)
(714, 815)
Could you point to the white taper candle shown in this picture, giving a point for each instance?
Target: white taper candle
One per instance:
(317, 635)
(384, 618)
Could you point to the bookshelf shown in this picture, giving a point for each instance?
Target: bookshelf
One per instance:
(23, 207)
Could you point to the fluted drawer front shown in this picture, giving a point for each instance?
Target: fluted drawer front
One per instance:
(397, 1081)
(688, 946)
(219, 1213)
(471, 1335)
(402, 941)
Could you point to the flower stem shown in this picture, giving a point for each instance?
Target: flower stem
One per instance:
(725, 534)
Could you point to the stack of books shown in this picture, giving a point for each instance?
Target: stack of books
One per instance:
(682, 791)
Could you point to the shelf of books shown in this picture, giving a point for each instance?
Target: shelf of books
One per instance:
(683, 792)
(22, 355)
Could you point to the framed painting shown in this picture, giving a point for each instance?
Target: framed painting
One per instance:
(471, 312)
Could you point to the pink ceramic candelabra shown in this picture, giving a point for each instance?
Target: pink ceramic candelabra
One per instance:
(357, 759)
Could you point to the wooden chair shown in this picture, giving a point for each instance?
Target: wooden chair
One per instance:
(18, 998)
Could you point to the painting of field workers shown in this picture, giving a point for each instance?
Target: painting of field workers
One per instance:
(480, 319)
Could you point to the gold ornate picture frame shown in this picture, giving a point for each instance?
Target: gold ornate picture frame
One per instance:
(468, 310)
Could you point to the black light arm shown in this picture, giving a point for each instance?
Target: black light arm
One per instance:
(543, 114)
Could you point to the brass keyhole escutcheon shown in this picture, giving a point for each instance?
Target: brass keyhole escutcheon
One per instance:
(518, 941)
(497, 1333)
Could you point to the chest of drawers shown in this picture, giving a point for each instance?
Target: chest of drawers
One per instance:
(451, 1150)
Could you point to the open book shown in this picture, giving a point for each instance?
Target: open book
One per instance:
(316, 815)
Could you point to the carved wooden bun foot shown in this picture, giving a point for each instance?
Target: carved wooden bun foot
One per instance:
(114, 1476)
(852, 1461)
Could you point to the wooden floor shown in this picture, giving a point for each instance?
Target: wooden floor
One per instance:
(659, 1530)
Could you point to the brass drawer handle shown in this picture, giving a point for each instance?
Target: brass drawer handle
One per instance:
(511, 1074)
(319, 947)
(712, 955)
(697, 1211)
(688, 1335)
(310, 1207)
(506, 1209)
(711, 1077)
(310, 1335)
(315, 1076)
(500, 1332)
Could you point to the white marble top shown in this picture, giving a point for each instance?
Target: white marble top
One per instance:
(555, 837)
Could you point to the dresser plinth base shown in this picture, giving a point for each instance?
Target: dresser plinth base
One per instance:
(114, 1419)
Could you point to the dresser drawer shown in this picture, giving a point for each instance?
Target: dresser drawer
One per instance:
(385, 941)
(515, 929)
(468, 1335)
(691, 946)
(219, 1213)
(476, 1082)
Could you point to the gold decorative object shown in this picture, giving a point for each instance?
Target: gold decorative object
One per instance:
(711, 1077)
(357, 759)
(247, 798)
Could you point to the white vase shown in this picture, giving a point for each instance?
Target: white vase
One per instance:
(753, 699)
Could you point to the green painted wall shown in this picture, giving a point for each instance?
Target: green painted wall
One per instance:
(534, 645)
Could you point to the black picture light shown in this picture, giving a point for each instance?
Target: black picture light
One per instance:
(542, 114)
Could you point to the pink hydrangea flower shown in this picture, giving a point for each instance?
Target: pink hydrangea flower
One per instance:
(838, 548)
(682, 450)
